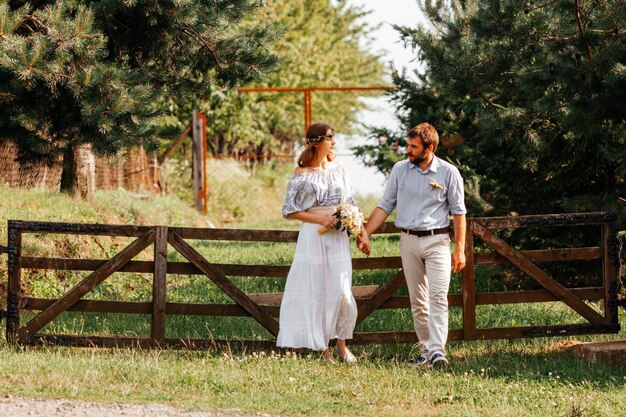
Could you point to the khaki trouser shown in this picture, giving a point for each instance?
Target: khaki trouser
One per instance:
(427, 266)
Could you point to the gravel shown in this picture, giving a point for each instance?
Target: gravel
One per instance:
(27, 407)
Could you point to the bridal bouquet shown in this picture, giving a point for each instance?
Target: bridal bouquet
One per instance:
(350, 220)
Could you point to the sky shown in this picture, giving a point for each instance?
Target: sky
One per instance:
(386, 41)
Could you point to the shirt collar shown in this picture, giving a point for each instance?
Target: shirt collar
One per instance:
(433, 165)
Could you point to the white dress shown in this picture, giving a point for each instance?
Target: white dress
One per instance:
(318, 304)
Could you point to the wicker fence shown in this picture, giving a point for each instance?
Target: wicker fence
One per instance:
(134, 171)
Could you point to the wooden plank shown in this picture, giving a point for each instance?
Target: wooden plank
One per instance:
(185, 268)
(252, 235)
(386, 228)
(391, 303)
(609, 353)
(242, 235)
(609, 275)
(454, 300)
(385, 262)
(277, 297)
(81, 228)
(231, 344)
(508, 297)
(468, 285)
(265, 319)
(88, 341)
(159, 285)
(388, 262)
(363, 291)
(255, 235)
(536, 296)
(223, 310)
(544, 255)
(239, 270)
(144, 342)
(539, 275)
(173, 146)
(95, 306)
(87, 284)
(569, 219)
(544, 331)
(369, 338)
(127, 307)
(14, 239)
(198, 166)
(564, 219)
(380, 296)
(180, 268)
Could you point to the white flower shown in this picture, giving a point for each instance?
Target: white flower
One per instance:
(435, 185)
(350, 219)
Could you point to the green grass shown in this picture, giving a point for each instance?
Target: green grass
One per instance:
(528, 377)
(498, 378)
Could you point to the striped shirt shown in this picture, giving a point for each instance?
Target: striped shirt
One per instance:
(424, 198)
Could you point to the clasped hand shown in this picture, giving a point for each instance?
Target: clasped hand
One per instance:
(329, 221)
(363, 243)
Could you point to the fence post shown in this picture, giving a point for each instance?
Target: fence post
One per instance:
(468, 286)
(159, 286)
(15, 271)
(609, 272)
(199, 160)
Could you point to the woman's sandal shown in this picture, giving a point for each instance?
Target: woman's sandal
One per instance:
(348, 358)
(327, 355)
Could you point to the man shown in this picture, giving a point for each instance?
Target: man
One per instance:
(426, 189)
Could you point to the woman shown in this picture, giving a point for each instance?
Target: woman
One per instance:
(318, 304)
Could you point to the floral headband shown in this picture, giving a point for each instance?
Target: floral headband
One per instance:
(318, 139)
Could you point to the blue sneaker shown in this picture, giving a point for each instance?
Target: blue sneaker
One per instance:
(438, 361)
(421, 361)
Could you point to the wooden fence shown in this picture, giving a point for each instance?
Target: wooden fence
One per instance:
(263, 307)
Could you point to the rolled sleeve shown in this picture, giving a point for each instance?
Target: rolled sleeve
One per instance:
(390, 196)
(456, 193)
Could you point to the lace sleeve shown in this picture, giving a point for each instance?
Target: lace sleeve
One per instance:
(300, 196)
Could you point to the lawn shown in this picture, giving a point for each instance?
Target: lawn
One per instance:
(525, 377)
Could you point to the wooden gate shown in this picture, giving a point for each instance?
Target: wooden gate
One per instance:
(371, 297)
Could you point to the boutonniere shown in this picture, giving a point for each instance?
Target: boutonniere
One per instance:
(434, 186)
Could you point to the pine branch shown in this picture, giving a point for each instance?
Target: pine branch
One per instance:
(580, 28)
(200, 39)
(476, 91)
(541, 6)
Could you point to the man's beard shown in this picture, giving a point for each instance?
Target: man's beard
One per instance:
(418, 159)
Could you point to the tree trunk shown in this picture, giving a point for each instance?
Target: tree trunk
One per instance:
(79, 171)
(68, 175)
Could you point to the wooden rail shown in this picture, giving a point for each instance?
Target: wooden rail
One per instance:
(483, 247)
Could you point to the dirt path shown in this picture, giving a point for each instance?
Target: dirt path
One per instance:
(26, 407)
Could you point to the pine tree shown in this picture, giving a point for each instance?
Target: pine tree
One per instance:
(534, 90)
(90, 72)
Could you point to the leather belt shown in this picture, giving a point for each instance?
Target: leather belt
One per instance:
(422, 233)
